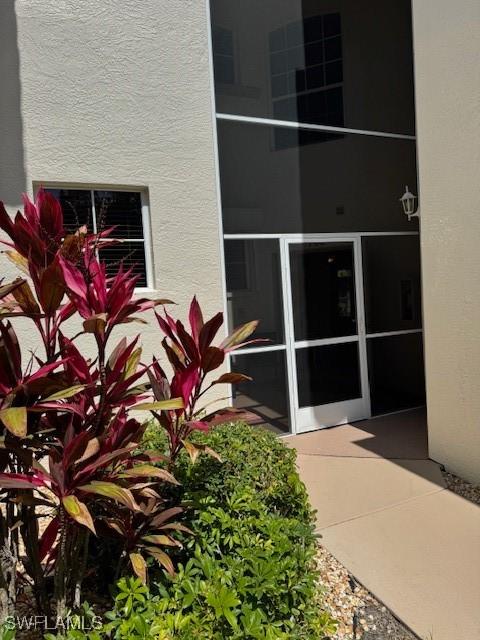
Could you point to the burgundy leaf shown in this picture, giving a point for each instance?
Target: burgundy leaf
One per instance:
(195, 317)
(209, 331)
(212, 358)
(48, 537)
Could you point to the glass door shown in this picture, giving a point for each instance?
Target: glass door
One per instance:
(327, 329)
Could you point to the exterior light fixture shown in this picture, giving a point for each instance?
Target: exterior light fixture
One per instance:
(408, 204)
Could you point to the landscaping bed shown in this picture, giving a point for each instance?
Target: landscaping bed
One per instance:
(249, 571)
(202, 531)
(250, 568)
(461, 487)
(360, 616)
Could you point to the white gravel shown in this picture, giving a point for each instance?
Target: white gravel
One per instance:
(359, 615)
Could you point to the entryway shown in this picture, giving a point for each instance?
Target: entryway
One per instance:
(326, 322)
(332, 347)
(342, 315)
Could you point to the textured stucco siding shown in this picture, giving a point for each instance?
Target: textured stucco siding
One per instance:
(447, 68)
(118, 92)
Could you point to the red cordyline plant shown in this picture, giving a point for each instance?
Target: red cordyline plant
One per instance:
(69, 445)
(192, 357)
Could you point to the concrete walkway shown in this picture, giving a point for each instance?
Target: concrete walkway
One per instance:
(383, 510)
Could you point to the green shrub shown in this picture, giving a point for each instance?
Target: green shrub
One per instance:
(252, 458)
(251, 576)
(249, 570)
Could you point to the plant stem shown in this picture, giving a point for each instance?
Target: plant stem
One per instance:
(84, 537)
(8, 570)
(60, 566)
(30, 535)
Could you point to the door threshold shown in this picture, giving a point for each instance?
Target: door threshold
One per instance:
(335, 426)
(394, 413)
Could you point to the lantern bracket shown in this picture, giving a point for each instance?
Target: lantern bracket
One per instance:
(408, 204)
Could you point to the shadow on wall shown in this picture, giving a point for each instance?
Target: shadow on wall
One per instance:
(12, 168)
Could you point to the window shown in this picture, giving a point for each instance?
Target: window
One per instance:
(343, 64)
(104, 208)
(301, 189)
(237, 267)
(253, 276)
(306, 70)
(223, 61)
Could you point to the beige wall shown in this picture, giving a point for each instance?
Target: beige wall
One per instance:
(118, 92)
(447, 66)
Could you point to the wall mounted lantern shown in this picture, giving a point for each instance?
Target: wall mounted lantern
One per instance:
(408, 204)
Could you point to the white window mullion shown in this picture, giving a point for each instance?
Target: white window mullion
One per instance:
(246, 351)
(292, 124)
(94, 213)
(147, 241)
(399, 332)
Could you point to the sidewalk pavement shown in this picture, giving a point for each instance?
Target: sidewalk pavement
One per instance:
(384, 512)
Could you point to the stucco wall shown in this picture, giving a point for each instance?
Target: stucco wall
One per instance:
(447, 67)
(118, 92)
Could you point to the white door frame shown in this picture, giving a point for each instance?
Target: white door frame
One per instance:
(284, 240)
(335, 413)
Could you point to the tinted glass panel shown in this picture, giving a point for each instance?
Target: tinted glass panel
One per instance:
(76, 207)
(266, 396)
(122, 210)
(131, 254)
(278, 180)
(254, 286)
(323, 290)
(391, 267)
(396, 372)
(328, 374)
(223, 60)
(309, 61)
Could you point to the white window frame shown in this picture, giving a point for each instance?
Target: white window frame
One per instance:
(146, 222)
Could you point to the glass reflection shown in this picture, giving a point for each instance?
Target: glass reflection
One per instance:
(254, 286)
(305, 61)
(266, 395)
(395, 365)
(391, 270)
(328, 374)
(279, 180)
(323, 290)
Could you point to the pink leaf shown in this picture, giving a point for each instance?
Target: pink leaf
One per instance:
(19, 481)
(195, 317)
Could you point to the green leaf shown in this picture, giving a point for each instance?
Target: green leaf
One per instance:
(239, 334)
(78, 511)
(139, 566)
(140, 625)
(111, 490)
(65, 393)
(231, 618)
(132, 363)
(15, 420)
(148, 470)
(160, 405)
